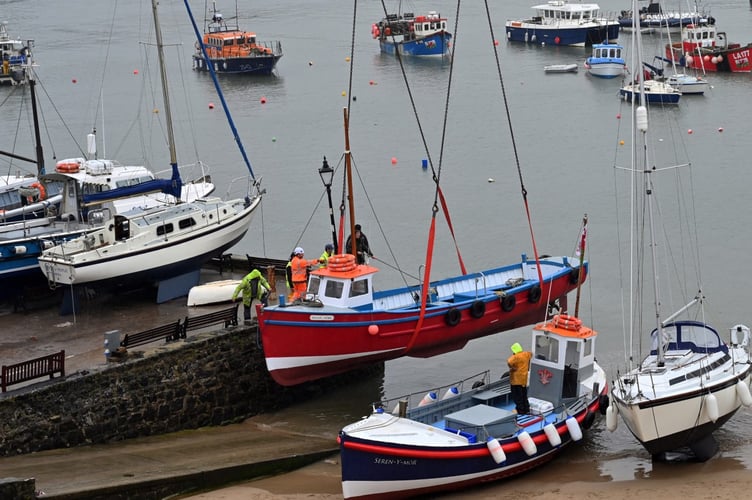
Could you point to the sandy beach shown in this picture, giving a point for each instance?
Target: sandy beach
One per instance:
(560, 479)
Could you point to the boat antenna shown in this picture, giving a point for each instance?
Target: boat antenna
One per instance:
(210, 66)
(514, 143)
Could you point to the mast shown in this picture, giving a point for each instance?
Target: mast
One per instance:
(348, 175)
(176, 182)
(640, 124)
(37, 138)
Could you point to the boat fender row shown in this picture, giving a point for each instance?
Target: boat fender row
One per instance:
(527, 443)
(478, 309)
(573, 426)
(497, 452)
(552, 434)
(742, 390)
(611, 418)
(711, 406)
(508, 302)
(589, 419)
(574, 276)
(429, 398)
(603, 403)
(452, 316)
(534, 294)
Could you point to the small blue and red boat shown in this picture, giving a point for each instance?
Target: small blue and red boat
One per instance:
(411, 35)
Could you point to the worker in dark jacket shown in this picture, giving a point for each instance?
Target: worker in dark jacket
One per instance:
(362, 248)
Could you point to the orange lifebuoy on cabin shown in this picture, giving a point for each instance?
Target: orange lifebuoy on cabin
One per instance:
(567, 322)
(68, 166)
(341, 262)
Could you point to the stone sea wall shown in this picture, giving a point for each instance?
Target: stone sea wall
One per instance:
(208, 379)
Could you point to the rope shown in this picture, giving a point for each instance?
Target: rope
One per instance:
(514, 143)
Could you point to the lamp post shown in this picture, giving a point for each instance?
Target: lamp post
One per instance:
(327, 176)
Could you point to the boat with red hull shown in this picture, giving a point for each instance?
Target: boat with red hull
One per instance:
(344, 324)
(705, 49)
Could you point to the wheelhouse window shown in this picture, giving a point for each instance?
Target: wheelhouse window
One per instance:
(359, 287)
(334, 289)
(547, 348)
(165, 229)
(186, 223)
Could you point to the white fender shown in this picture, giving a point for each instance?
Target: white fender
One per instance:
(742, 390)
(574, 428)
(429, 398)
(711, 407)
(497, 452)
(611, 418)
(450, 393)
(552, 434)
(527, 443)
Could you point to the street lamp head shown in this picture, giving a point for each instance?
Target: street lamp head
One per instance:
(326, 173)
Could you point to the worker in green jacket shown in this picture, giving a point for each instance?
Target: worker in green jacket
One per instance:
(253, 286)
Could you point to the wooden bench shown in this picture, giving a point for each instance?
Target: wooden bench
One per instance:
(169, 332)
(229, 317)
(33, 368)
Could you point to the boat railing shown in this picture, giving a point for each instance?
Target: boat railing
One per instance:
(440, 395)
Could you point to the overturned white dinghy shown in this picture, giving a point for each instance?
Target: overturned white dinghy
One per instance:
(213, 292)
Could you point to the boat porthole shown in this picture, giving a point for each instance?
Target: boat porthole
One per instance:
(478, 309)
(508, 303)
(534, 294)
(574, 276)
(452, 316)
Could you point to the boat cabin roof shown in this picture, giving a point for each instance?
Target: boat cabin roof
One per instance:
(689, 335)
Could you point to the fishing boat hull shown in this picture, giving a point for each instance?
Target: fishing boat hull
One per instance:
(437, 44)
(564, 23)
(262, 64)
(704, 49)
(605, 69)
(519, 31)
(306, 342)
(469, 434)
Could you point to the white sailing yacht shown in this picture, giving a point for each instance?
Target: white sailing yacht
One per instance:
(689, 382)
(164, 245)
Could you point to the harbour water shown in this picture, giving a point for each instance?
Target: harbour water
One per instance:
(566, 130)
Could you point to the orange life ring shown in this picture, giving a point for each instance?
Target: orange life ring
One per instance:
(567, 322)
(342, 258)
(68, 166)
(341, 267)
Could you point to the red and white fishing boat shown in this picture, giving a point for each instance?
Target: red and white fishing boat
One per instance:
(703, 48)
(343, 323)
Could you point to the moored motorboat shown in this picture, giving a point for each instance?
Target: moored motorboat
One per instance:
(231, 50)
(703, 48)
(606, 60)
(411, 35)
(560, 22)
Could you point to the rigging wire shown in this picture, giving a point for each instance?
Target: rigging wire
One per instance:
(514, 142)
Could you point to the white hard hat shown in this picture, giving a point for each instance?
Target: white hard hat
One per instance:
(298, 250)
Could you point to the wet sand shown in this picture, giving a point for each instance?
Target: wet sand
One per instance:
(559, 480)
